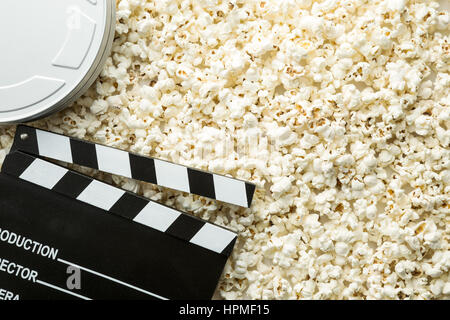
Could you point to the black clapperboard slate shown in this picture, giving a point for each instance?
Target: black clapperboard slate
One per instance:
(58, 226)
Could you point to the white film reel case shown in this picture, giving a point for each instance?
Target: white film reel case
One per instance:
(51, 52)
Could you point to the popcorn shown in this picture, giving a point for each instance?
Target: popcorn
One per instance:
(446, 288)
(308, 141)
(443, 20)
(402, 76)
(396, 5)
(330, 107)
(342, 248)
(281, 185)
(385, 157)
(99, 106)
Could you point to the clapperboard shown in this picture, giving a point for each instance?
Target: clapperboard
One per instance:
(64, 235)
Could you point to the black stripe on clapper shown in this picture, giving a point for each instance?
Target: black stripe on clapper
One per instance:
(25, 140)
(84, 153)
(72, 184)
(201, 183)
(16, 163)
(250, 190)
(142, 168)
(129, 206)
(185, 227)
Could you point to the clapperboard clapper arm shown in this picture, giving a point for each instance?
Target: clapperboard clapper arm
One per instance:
(64, 235)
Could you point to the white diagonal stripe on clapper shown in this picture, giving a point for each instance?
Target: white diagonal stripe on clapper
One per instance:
(230, 190)
(100, 195)
(43, 173)
(213, 238)
(113, 161)
(170, 175)
(54, 146)
(157, 216)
